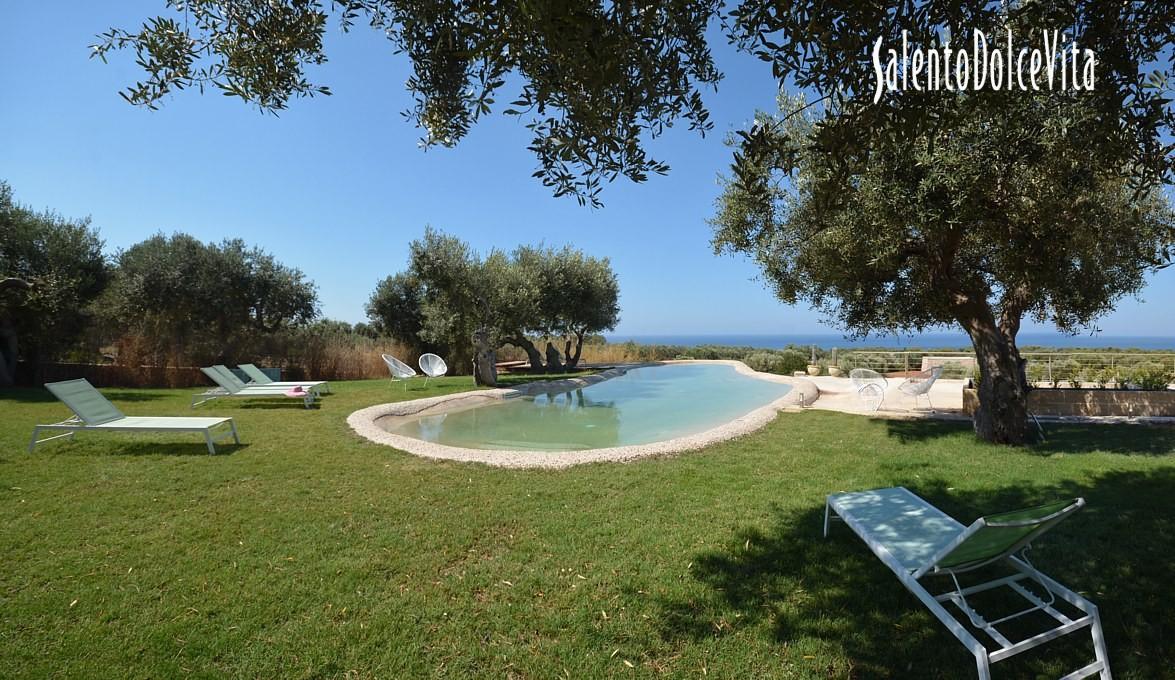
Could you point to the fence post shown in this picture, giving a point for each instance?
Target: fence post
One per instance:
(906, 357)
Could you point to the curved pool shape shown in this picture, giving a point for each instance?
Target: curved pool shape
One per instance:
(648, 404)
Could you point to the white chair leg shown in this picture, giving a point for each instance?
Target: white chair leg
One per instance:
(208, 441)
(1099, 645)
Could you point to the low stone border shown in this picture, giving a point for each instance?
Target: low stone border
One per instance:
(363, 422)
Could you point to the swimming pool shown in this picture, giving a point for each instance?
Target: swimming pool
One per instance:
(645, 405)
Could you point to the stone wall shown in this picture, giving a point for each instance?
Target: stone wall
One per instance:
(1090, 402)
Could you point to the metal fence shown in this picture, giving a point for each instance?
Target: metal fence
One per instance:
(1057, 369)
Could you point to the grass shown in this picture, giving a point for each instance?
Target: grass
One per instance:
(309, 553)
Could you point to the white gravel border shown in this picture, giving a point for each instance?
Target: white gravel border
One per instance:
(363, 422)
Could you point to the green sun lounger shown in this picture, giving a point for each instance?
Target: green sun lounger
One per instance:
(94, 412)
(233, 387)
(915, 539)
(258, 378)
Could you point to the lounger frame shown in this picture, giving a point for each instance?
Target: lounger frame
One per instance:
(247, 392)
(74, 425)
(1024, 571)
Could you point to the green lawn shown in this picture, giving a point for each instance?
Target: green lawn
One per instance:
(307, 552)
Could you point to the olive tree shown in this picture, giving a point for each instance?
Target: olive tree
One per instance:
(189, 300)
(468, 306)
(51, 269)
(577, 295)
(1001, 216)
(596, 81)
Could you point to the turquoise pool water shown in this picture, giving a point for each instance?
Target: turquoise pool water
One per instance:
(645, 405)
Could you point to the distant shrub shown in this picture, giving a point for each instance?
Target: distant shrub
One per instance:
(957, 370)
(1151, 376)
(765, 362)
(1037, 373)
(1106, 377)
(783, 362)
(793, 360)
(1065, 373)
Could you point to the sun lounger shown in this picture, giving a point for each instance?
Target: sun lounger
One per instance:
(316, 386)
(94, 412)
(258, 378)
(915, 539)
(235, 388)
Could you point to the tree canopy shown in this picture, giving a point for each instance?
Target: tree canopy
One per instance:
(597, 80)
(454, 301)
(52, 268)
(1001, 216)
(197, 301)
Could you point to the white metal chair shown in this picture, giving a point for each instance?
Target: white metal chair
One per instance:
(919, 384)
(432, 366)
(398, 369)
(915, 539)
(870, 386)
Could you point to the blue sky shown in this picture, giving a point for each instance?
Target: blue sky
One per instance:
(338, 187)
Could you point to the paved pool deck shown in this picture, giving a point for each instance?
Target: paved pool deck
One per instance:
(839, 394)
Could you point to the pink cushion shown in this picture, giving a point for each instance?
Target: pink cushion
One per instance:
(298, 391)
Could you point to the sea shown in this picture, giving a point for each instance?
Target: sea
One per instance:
(941, 341)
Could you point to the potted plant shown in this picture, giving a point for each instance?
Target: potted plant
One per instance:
(813, 367)
(833, 368)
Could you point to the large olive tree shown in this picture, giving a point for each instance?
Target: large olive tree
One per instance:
(1001, 216)
(595, 80)
(186, 300)
(468, 306)
(51, 269)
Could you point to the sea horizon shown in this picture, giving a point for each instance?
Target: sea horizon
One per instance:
(942, 341)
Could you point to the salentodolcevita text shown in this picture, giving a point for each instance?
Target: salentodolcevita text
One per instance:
(1056, 64)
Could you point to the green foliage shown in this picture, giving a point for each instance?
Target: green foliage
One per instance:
(63, 261)
(824, 47)
(970, 224)
(449, 295)
(185, 300)
(1066, 372)
(950, 225)
(768, 362)
(597, 79)
(394, 308)
(1151, 376)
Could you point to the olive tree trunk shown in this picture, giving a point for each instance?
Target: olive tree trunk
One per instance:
(1002, 416)
(532, 353)
(485, 369)
(8, 347)
(554, 363)
(573, 356)
(8, 339)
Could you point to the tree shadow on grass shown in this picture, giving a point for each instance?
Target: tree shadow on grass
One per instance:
(40, 395)
(26, 395)
(1060, 438)
(1128, 439)
(275, 405)
(130, 395)
(835, 595)
(90, 443)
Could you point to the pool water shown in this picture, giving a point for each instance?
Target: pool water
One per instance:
(645, 405)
